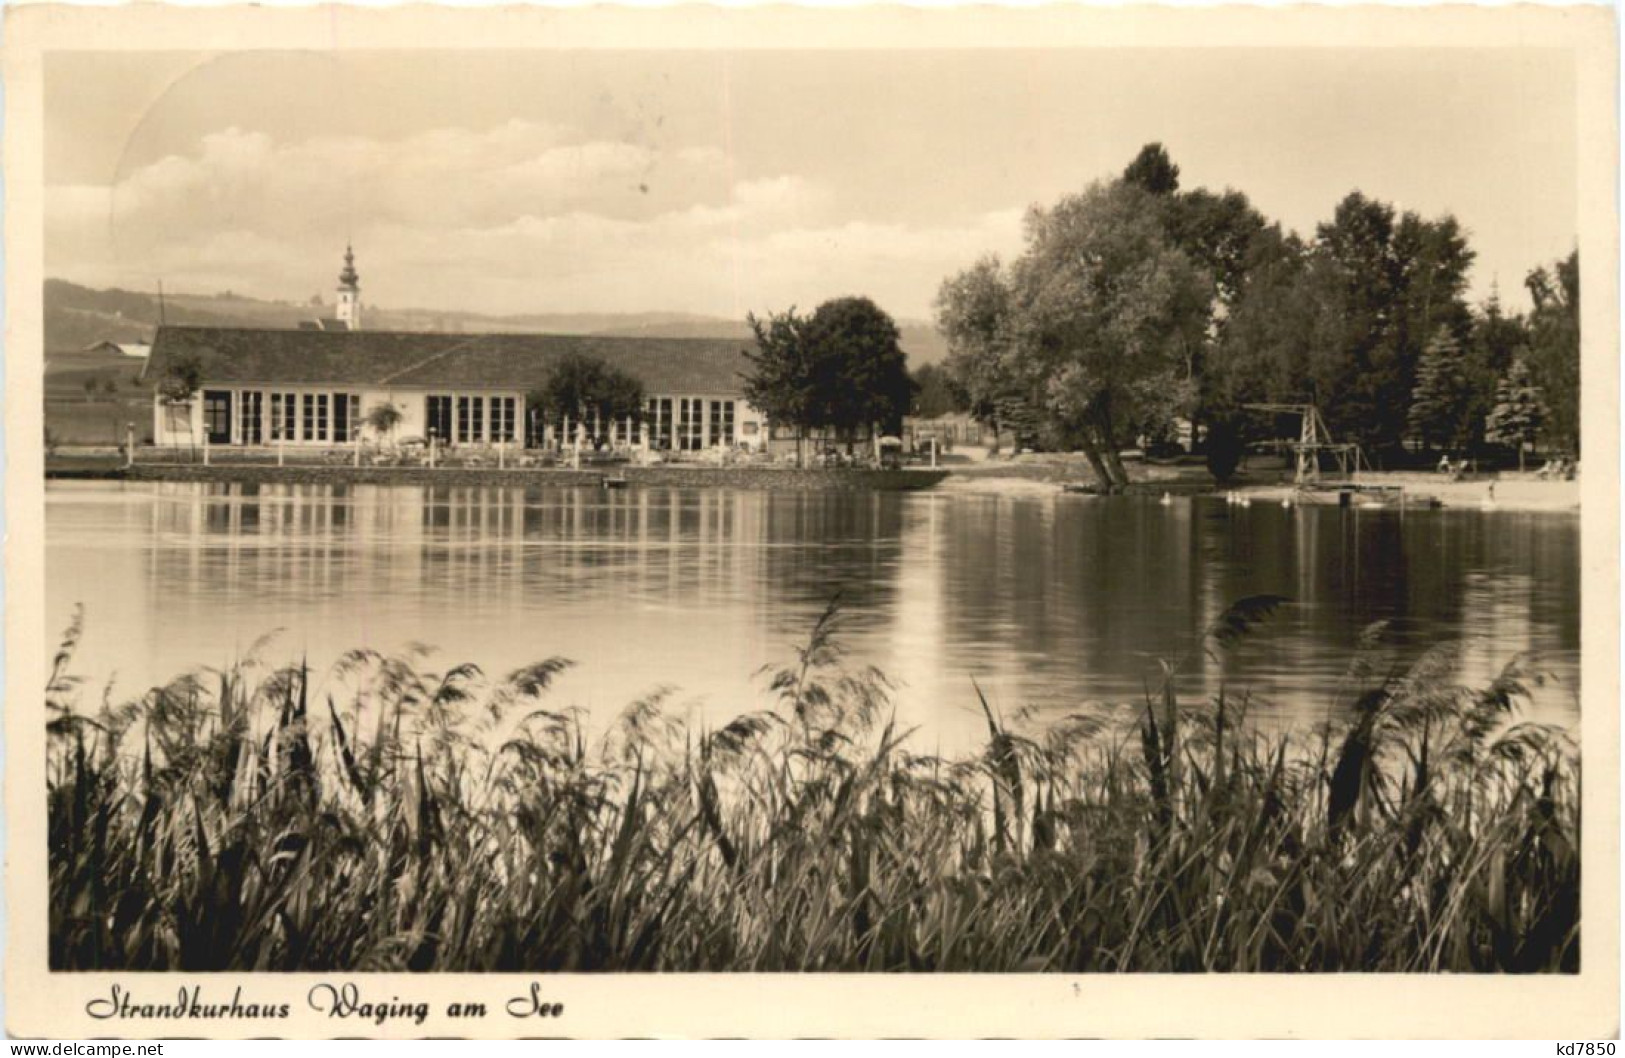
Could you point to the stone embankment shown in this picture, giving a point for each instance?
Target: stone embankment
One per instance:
(634, 477)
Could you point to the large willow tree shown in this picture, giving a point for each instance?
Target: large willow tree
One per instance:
(1095, 323)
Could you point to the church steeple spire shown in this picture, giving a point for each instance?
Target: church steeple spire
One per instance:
(349, 308)
(348, 277)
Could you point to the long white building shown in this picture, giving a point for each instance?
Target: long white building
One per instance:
(316, 385)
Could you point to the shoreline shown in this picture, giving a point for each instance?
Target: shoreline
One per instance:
(1509, 493)
(1505, 492)
(1040, 476)
(668, 476)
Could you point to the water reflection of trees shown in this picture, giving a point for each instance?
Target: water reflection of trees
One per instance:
(1086, 595)
(821, 543)
(1056, 600)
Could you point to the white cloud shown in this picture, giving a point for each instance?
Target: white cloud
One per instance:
(523, 217)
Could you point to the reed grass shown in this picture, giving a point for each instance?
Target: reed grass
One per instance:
(391, 817)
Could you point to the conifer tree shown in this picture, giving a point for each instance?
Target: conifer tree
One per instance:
(1519, 411)
(1442, 398)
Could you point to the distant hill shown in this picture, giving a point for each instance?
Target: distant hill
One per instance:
(78, 316)
(920, 340)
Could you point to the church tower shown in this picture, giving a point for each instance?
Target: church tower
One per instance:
(349, 307)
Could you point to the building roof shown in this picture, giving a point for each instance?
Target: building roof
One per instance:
(415, 359)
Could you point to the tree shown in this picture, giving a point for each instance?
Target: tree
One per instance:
(1554, 348)
(780, 381)
(860, 372)
(936, 393)
(586, 390)
(1225, 236)
(1496, 341)
(1226, 239)
(1104, 309)
(1092, 328)
(1433, 261)
(840, 369)
(183, 377)
(1252, 347)
(976, 314)
(382, 419)
(1382, 286)
(1519, 412)
(1261, 353)
(1353, 368)
(1153, 171)
(1442, 400)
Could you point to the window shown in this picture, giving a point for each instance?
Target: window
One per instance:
(690, 423)
(251, 409)
(502, 418)
(439, 411)
(217, 416)
(661, 422)
(314, 422)
(535, 428)
(470, 420)
(722, 423)
(346, 415)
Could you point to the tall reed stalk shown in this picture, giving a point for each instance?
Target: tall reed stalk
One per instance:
(390, 817)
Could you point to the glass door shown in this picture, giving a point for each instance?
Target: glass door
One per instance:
(439, 424)
(251, 410)
(217, 415)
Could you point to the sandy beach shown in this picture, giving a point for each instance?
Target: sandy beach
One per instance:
(1037, 475)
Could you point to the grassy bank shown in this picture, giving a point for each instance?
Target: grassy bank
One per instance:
(387, 817)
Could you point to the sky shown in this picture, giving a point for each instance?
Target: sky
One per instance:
(722, 183)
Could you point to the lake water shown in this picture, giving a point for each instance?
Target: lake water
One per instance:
(1052, 601)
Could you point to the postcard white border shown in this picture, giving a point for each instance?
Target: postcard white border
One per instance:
(39, 1003)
